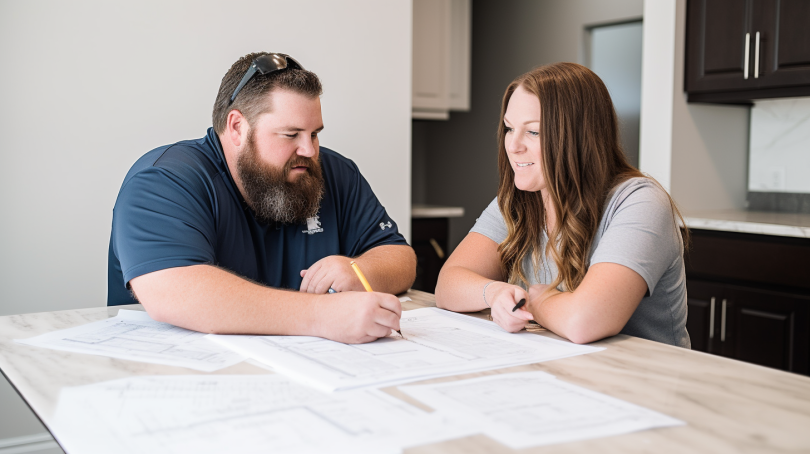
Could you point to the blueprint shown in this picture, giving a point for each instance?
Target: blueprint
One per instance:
(134, 336)
(244, 414)
(437, 343)
(527, 409)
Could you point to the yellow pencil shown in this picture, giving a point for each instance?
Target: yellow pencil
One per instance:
(361, 276)
(365, 283)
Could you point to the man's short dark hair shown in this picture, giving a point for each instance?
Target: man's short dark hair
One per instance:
(251, 100)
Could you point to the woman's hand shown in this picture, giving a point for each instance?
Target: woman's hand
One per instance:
(502, 298)
(541, 292)
(537, 294)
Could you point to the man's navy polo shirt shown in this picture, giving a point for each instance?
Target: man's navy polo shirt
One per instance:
(179, 206)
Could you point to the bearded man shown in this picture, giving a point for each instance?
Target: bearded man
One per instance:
(251, 229)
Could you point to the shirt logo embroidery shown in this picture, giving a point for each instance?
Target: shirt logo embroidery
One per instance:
(313, 226)
(383, 225)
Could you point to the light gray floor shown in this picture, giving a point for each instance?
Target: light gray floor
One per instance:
(20, 431)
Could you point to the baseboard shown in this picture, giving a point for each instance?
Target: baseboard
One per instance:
(41, 443)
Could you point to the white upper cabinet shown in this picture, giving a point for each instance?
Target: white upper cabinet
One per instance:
(441, 57)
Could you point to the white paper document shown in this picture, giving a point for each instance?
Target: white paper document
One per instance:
(244, 414)
(133, 335)
(534, 408)
(437, 343)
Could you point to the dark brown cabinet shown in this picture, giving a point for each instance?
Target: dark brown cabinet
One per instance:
(749, 298)
(430, 244)
(768, 328)
(739, 50)
(757, 326)
(702, 320)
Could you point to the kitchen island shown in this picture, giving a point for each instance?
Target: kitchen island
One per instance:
(748, 286)
(728, 405)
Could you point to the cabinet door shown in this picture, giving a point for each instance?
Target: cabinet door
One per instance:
(718, 46)
(429, 241)
(460, 54)
(703, 316)
(431, 51)
(783, 51)
(769, 328)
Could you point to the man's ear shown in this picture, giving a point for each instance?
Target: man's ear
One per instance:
(236, 128)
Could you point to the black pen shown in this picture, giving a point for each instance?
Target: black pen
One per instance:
(520, 304)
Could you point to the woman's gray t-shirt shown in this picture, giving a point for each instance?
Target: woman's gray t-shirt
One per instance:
(637, 230)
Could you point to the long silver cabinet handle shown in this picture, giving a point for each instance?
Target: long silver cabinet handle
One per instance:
(747, 53)
(756, 58)
(711, 320)
(723, 322)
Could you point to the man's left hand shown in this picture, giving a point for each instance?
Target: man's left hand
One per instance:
(333, 272)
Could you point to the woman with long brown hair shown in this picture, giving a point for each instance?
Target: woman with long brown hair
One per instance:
(590, 243)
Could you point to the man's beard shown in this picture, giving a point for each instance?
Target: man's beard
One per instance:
(271, 196)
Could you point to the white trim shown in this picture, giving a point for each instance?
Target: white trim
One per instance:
(16, 441)
(657, 90)
(27, 444)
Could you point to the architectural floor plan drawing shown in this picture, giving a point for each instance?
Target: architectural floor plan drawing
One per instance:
(133, 335)
(244, 414)
(437, 343)
(528, 409)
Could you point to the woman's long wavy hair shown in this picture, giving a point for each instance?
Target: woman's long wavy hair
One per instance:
(582, 161)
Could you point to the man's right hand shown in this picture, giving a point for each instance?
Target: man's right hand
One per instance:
(358, 317)
(208, 299)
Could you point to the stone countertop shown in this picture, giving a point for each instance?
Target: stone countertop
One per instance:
(436, 211)
(757, 222)
(728, 405)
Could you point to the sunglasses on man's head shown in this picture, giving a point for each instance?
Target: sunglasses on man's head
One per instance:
(266, 64)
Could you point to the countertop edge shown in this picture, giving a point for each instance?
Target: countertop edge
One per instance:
(747, 227)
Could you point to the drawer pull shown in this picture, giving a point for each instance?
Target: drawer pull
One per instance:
(437, 248)
(711, 320)
(756, 58)
(747, 53)
(723, 322)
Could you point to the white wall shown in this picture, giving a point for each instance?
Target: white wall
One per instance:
(89, 86)
(697, 151)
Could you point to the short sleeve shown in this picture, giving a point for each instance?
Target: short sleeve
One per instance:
(162, 221)
(639, 231)
(364, 222)
(491, 223)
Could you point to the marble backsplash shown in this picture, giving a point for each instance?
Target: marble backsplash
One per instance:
(779, 151)
(779, 156)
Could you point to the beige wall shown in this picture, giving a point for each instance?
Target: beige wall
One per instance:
(88, 86)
